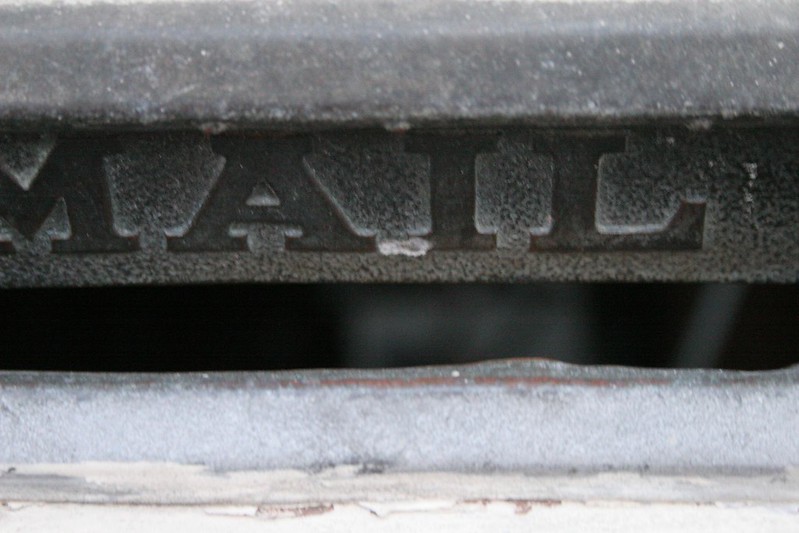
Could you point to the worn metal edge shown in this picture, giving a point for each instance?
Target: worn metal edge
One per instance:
(394, 64)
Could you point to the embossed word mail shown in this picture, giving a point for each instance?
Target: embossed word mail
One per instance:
(71, 175)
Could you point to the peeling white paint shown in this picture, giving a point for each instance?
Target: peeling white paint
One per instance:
(291, 492)
(163, 497)
(463, 517)
(413, 247)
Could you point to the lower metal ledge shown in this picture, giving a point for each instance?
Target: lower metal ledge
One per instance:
(513, 445)
(521, 417)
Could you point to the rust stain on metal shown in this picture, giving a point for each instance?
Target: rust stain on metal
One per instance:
(521, 507)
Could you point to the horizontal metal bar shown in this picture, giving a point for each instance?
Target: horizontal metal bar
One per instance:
(512, 416)
(394, 64)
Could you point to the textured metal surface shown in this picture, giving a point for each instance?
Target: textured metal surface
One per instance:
(310, 62)
(684, 198)
(481, 204)
(523, 416)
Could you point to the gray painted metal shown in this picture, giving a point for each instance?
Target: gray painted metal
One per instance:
(396, 63)
(509, 416)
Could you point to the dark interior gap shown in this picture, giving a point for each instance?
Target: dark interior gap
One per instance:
(272, 327)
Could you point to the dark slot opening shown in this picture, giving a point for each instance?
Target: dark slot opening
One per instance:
(270, 327)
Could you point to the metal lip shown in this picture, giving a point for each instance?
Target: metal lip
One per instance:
(527, 416)
(310, 64)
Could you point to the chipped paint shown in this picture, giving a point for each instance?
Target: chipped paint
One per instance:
(281, 493)
(453, 517)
